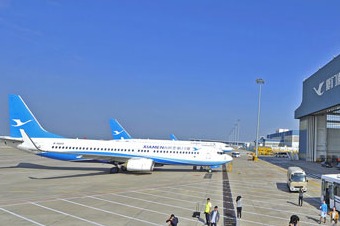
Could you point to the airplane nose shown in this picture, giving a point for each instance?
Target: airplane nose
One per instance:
(228, 158)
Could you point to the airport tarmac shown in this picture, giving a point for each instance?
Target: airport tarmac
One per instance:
(40, 191)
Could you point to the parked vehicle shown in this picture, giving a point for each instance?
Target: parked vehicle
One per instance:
(330, 187)
(282, 155)
(296, 179)
(326, 164)
(235, 154)
(338, 165)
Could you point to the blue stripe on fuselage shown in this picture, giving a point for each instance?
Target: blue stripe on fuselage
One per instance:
(68, 157)
(78, 156)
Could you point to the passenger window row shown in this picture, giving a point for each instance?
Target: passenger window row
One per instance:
(122, 150)
(94, 149)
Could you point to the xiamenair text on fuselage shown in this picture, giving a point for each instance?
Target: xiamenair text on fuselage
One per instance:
(126, 154)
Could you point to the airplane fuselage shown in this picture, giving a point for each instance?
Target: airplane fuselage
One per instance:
(160, 151)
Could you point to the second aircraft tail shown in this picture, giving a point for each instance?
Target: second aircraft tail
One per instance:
(118, 132)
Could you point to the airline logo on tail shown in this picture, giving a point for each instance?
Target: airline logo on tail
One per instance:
(19, 122)
(116, 132)
(22, 118)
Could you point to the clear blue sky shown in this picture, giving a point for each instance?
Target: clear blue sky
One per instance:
(161, 67)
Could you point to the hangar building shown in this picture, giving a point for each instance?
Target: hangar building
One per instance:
(319, 114)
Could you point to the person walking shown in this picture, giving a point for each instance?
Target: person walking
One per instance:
(239, 206)
(334, 216)
(214, 216)
(324, 210)
(300, 197)
(207, 211)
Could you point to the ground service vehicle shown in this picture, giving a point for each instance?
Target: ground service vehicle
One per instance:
(296, 179)
(235, 154)
(330, 190)
(282, 155)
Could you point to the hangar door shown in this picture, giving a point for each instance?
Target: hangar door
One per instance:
(333, 135)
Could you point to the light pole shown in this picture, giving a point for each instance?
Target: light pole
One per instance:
(238, 132)
(230, 136)
(235, 134)
(259, 81)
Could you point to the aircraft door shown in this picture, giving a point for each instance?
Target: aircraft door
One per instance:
(330, 196)
(208, 155)
(323, 190)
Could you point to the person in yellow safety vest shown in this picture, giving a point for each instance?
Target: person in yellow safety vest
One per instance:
(207, 211)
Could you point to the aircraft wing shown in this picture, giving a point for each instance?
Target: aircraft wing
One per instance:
(100, 157)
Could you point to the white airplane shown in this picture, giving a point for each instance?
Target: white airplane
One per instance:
(118, 133)
(125, 154)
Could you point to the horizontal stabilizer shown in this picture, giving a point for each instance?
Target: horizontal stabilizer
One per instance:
(28, 144)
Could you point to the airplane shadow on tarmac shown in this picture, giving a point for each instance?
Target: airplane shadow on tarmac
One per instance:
(101, 170)
(25, 165)
(180, 170)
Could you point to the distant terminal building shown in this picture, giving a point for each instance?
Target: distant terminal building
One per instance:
(283, 138)
(319, 114)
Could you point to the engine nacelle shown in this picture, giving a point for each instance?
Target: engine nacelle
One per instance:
(139, 164)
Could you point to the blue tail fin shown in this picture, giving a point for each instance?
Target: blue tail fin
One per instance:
(173, 137)
(118, 132)
(21, 117)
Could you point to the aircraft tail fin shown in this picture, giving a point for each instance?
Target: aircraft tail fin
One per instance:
(118, 132)
(21, 117)
(173, 137)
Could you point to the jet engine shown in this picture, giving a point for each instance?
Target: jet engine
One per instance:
(139, 164)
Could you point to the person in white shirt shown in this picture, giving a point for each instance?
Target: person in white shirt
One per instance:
(214, 216)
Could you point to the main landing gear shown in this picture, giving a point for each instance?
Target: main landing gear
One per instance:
(114, 170)
(117, 168)
(202, 169)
